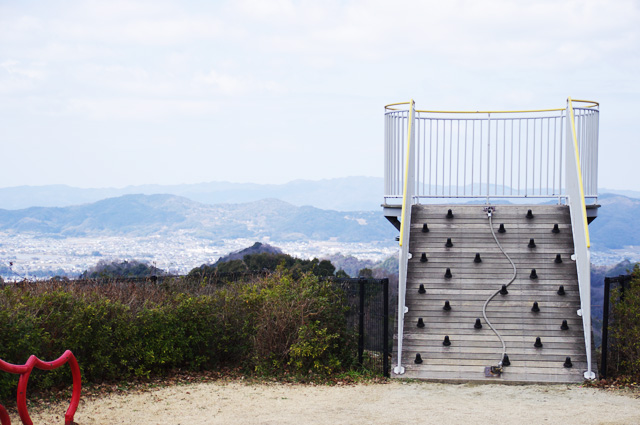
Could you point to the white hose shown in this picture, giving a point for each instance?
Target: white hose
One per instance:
(484, 308)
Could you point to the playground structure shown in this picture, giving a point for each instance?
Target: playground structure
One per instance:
(25, 371)
(435, 162)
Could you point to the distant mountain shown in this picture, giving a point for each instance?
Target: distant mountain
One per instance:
(618, 222)
(256, 248)
(627, 193)
(143, 215)
(342, 194)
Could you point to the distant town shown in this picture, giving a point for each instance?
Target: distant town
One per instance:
(34, 257)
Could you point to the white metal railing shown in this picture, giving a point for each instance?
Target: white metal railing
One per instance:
(578, 211)
(492, 154)
(405, 229)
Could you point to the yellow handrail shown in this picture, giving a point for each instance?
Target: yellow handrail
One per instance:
(406, 171)
(389, 107)
(575, 147)
(395, 104)
(593, 103)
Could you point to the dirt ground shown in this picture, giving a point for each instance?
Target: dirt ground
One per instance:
(391, 403)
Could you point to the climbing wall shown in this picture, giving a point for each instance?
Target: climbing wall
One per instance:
(456, 265)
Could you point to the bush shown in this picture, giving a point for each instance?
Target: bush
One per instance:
(271, 325)
(625, 328)
(287, 310)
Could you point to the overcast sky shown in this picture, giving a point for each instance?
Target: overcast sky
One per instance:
(117, 93)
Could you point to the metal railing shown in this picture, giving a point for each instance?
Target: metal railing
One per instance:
(368, 315)
(489, 154)
(407, 203)
(580, 226)
(547, 153)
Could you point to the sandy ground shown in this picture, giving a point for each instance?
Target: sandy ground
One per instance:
(393, 403)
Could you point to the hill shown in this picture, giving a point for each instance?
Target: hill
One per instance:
(143, 215)
(342, 194)
(617, 224)
(256, 248)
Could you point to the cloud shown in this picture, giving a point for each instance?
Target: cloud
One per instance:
(229, 84)
(333, 63)
(138, 109)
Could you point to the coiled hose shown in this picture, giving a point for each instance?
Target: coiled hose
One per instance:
(484, 307)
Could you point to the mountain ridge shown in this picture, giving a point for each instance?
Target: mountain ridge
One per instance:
(342, 194)
(143, 215)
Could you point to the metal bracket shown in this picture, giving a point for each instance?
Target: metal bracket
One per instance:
(489, 210)
(398, 370)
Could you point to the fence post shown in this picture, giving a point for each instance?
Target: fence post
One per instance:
(385, 326)
(605, 328)
(361, 322)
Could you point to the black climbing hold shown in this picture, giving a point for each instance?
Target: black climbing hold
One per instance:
(506, 361)
(449, 214)
(423, 258)
(529, 214)
(446, 341)
(535, 308)
(478, 324)
(447, 273)
(564, 326)
(532, 243)
(558, 259)
(418, 359)
(425, 228)
(421, 290)
(534, 274)
(567, 362)
(420, 322)
(555, 228)
(561, 290)
(538, 343)
(504, 291)
(447, 306)
(477, 259)
(449, 244)
(501, 229)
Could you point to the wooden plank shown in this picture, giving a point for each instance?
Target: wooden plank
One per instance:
(471, 284)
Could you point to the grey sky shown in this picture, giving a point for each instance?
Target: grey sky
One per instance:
(116, 93)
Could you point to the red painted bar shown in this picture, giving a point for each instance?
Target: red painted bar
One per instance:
(25, 371)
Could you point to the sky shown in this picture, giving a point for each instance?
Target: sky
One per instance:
(117, 93)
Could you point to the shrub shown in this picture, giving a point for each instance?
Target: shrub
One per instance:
(625, 328)
(287, 313)
(272, 325)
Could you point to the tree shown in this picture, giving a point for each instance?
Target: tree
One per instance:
(233, 266)
(366, 272)
(342, 273)
(108, 270)
(626, 328)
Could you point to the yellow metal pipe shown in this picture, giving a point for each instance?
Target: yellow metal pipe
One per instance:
(491, 112)
(575, 147)
(389, 107)
(406, 172)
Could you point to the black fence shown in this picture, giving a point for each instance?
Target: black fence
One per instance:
(371, 314)
(609, 360)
